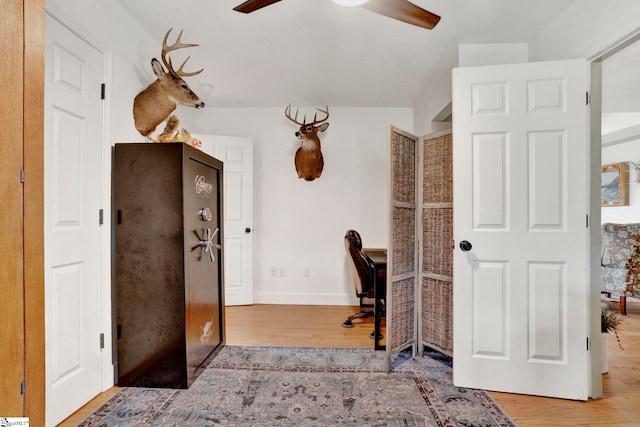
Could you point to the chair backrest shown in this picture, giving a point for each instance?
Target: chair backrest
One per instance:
(620, 243)
(361, 270)
(620, 258)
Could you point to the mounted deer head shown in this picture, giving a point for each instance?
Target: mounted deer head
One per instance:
(308, 160)
(155, 104)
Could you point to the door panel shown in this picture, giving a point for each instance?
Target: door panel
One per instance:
(547, 295)
(237, 155)
(546, 179)
(490, 197)
(490, 322)
(203, 268)
(73, 74)
(520, 192)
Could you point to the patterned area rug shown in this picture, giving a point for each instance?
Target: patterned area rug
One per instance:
(304, 386)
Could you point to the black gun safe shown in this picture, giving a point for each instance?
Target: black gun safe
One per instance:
(168, 290)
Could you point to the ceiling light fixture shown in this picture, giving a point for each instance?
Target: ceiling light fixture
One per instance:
(350, 3)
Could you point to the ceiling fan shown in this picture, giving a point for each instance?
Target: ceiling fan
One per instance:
(402, 10)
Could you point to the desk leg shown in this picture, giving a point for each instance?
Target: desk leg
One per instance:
(376, 327)
(377, 309)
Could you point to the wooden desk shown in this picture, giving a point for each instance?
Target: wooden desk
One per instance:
(379, 259)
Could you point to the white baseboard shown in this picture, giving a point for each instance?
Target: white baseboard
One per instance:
(304, 299)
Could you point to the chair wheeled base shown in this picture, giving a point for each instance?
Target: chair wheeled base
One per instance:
(360, 315)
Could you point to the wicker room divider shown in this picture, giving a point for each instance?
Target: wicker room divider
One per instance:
(437, 241)
(401, 257)
(420, 257)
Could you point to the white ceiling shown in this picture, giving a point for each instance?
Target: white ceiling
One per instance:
(313, 51)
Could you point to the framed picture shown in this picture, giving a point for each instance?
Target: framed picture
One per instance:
(614, 185)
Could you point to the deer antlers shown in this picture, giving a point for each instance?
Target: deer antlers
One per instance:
(287, 113)
(177, 45)
(155, 104)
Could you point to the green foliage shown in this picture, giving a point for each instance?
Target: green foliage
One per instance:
(610, 322)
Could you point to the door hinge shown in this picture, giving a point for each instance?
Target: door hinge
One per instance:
(587, 343)
(101, 341)
(22, 176)
(103, 91)
(587, 220)
(23, 387)
(100, 216)
(587, 98)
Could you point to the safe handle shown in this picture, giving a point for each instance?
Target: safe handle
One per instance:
(206, 242)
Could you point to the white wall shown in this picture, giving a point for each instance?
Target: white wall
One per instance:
(297, 224)
(478, 54)
(621, 85)
(621, 124)
(301, 224)
(290, 213)
(432, 101)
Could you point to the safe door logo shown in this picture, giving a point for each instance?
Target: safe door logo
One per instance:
(203, 188)
(10, 422)
(207, 331)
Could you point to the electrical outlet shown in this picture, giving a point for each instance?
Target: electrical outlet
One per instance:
(307, 272)
(273, 271)
(281, 272)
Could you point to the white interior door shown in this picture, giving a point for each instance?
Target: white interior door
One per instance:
(237, 155)
(521, 198)
(73, 108)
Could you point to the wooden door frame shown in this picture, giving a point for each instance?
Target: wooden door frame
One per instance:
(34, 211)
(22, 248)
(11, 220)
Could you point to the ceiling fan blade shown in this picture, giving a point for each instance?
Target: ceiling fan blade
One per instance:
(405, 11)
(253, 5)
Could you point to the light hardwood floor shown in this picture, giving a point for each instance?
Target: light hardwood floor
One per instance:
(286, 325)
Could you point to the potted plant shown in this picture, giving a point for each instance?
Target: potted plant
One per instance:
(609, 322)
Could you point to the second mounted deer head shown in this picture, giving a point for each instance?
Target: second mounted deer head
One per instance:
(309, 161)
(155, 104)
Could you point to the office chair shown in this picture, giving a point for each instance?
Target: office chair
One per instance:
(363, 272)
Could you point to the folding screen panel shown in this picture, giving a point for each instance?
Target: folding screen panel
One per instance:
(436, 250)
(401, 258)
